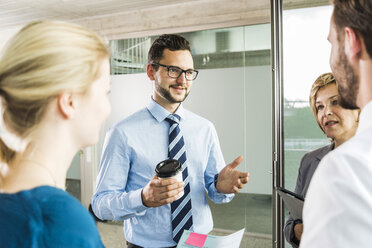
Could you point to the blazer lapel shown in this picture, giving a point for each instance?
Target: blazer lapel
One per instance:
(325, 150)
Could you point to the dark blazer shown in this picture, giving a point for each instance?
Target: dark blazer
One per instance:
(309, 163)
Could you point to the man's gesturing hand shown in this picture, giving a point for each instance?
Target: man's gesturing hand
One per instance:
(159, 192)
(231, 180)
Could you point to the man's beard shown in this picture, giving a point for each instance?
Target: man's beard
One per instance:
(167, 95)
(347, 81)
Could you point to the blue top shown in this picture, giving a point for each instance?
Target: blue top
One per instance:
(131, 151)
(45, 217)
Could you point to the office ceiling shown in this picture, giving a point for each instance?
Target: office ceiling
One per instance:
(116, 19)
(15, 13)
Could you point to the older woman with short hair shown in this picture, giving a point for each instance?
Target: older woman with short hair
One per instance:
(338, 124)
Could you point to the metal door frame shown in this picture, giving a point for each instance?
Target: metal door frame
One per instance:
(277, 116)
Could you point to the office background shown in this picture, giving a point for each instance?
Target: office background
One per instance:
(231, 46)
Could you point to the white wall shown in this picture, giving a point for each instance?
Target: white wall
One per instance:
(5, 35)
(236, 100)
(129, 93)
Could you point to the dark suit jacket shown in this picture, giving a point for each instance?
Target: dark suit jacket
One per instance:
(309, 163)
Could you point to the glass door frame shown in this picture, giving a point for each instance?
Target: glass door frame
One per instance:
(277, 112)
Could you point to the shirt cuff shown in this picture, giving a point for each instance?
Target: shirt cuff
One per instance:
(216, 195)
(215, 180)
(135, 201)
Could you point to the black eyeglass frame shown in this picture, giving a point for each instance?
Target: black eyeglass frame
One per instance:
(181, 71)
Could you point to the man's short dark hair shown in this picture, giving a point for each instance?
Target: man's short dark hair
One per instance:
(172, 42)
(356, 14)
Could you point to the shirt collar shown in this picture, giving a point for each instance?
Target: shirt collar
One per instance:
(365, 118)
(160, 113)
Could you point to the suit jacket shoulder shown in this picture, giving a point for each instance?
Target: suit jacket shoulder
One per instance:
(317, 154)
(309, 163)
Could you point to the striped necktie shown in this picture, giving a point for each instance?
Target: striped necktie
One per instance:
(181, 208)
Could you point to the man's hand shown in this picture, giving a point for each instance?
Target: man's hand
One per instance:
(298, 229)
(159, 192)
(231, 180)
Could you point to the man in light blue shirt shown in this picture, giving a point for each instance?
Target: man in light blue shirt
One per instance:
(126, 186)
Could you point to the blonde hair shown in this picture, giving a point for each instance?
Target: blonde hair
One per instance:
(323, 80)
(41, 61)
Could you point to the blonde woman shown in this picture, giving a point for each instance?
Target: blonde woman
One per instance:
(337, 123)
(54, 81)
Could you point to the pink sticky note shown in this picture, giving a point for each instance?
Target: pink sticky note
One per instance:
(196, 239)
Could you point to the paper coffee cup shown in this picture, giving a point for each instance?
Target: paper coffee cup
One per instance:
(170, 168)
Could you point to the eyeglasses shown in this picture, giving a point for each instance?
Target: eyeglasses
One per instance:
(176, 72)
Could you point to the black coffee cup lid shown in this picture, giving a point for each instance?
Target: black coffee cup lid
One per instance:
(168, 168)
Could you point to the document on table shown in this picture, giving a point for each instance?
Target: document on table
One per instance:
(192, 239)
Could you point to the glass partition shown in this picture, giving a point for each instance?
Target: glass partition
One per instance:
(233, 90)
(305, 56)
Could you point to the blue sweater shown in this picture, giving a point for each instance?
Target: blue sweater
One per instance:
(45, 217)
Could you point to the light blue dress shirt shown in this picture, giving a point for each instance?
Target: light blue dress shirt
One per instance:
(132, 149)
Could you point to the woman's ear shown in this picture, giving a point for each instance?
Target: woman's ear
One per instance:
(66, 104)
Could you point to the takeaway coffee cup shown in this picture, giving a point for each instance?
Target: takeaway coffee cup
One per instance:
(170, 168)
